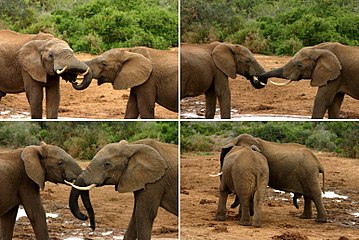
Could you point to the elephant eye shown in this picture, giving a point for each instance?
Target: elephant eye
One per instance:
(51, 56)
(107, 165)
(104, 64)
(60, 164)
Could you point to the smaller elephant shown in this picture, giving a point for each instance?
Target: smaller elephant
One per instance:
(23, 172)
(292, 168)
(151, 74)
(245, 172)
(33, 62)
(332, 67)
(205, 68)
(147, 168)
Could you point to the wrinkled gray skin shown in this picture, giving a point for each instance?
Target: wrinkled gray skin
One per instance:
(244, 172)
(147, 168)
(151, 74)
(22, 173)
(29, 63)
(205, 68)
(292, 168)
(330, 68)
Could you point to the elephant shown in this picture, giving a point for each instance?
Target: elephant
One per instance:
(205, 68)
(147, 167)
(244, 172)
(292, 168)
(31, 62)
(330, 68)
(151, 74)
(23, 172)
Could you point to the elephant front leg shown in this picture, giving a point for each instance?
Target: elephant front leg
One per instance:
(34, 94)
(221, 211)
(146, 98)
(132, 107)
(307, 213)
(7, 223)
(2, 94)
(245, 219)
(323, 100)
(334, 109)
(52, 98)
(211, 100)
(131, 232)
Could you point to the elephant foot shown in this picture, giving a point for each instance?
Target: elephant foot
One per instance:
(220, 217)
(305, 216)
(321, 219)
(257, 224)
(245, 222)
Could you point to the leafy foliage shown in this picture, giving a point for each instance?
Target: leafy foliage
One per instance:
(83, 139)
(339, 137)
(270, 26)
(95, 26)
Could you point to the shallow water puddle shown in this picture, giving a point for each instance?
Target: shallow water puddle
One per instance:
(21, 213)
(248, 117)
(331, 194)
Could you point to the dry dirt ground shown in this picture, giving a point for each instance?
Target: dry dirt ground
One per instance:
(199, 199)
(295, 99)
(95, 102)
(113, 211)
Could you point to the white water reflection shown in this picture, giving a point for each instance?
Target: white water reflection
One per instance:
(21, 213)
(331, 194)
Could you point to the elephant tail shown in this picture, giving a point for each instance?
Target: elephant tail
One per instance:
(321, 170)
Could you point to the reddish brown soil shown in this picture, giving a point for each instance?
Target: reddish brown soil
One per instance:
(98, 102)
(199, 199)
(113, 212)
(296, 98)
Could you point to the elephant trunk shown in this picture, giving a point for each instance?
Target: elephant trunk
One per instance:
(259, 70)
(278, 72)
(86, 81)
(85, 197)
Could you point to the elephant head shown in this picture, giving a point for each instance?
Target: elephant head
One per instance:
(51, 163)
(319, 65)
(234, 59)
(127, 166)
(53, 57)
(122, 68)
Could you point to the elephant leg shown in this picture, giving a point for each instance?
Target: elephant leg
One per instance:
(221, 211)
(259, 196)
(211, 100)
(225, 105)
(245, 219)
(323, 100)
(34, 94)
(132, 107)
(2, 94)
(7, 223)
(146, 207)
(307, 212)
(52, 98)
(131, 232)
(146, 102)
(334, 109)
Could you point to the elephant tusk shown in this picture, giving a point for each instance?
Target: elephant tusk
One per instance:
(83, 74)
(81, 188)
(256, 80)
(61, 71)
(216, 175)
(280, 84)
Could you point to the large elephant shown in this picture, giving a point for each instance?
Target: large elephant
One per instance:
(244, 172)
(205, 68)
(332, 67)
(31, 62)
(151, 74)
(22, 173)
(147, 168)
(292, 168)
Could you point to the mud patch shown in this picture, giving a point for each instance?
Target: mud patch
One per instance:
(290, 236)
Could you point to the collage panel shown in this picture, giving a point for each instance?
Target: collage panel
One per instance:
(310, 169)
(126, 175)
(106, 59)
(235, 54)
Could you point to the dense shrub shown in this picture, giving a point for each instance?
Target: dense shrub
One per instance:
(83, 140)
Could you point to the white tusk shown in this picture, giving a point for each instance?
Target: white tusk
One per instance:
(61, 71)
(262, 83)
(216, 175)
(81, 188)
(83, 74)
(280, 84)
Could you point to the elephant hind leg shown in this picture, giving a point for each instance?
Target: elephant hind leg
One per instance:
(334, 109)
(7, 223)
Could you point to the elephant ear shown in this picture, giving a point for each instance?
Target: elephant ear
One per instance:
(144, 166)
(29, 57)
(223, 57)
(255, 148)
(32, 156)
(136, 69)
(225, 150)
(327, 68)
